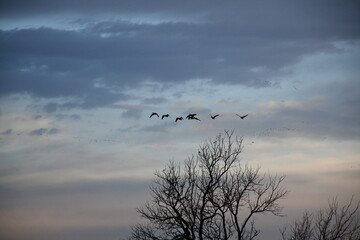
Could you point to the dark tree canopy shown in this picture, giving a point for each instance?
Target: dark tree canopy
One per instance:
(332, 223)
(211, 196)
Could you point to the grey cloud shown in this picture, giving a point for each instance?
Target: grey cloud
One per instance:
(67, 116)
(101, 97)
(154, 128)
(61, 116)
(38, 132)
(130, 110)
(91, 100)
(132, 128)
(155, 100)
(53, 131)
(316, 121)
(166, 52)
(297, 14)
(228, 101)
(51, 107)
(131, 113)
(43, 131)
(66, 74)
(75, 116)
(7, 132)
(95, 65)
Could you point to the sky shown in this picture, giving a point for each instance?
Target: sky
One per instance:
(79, 80)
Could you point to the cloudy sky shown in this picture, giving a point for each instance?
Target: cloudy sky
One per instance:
(79, 79)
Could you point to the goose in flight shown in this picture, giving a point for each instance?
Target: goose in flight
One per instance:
(179, 119)
(195, 118)
(154, 114)
(191, 116)
(213, 117)
(164, 116)
(242, 117)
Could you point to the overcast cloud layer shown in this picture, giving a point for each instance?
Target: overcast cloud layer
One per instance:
(79, 79)
(100, 57)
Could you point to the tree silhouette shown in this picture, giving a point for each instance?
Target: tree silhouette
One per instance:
(333, 223)
(211, 196)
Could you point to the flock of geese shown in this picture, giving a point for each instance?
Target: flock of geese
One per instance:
(190, 116)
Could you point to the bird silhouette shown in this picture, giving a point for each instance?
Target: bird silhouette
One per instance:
(154, 114)
(242, 117)
(213, 117)
(164, 116)
(191, 116)
(195, 118)
(179, 119)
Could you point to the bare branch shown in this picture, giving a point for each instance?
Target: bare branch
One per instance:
(210, 196)
(333, 223)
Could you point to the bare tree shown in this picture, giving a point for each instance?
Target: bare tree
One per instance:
(210, 196)
(333, 223)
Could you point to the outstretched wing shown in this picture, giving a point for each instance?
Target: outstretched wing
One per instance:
(154, 114)
(242, 117)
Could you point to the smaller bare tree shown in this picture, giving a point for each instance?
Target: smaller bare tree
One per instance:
(210, 196)
(333, 223)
